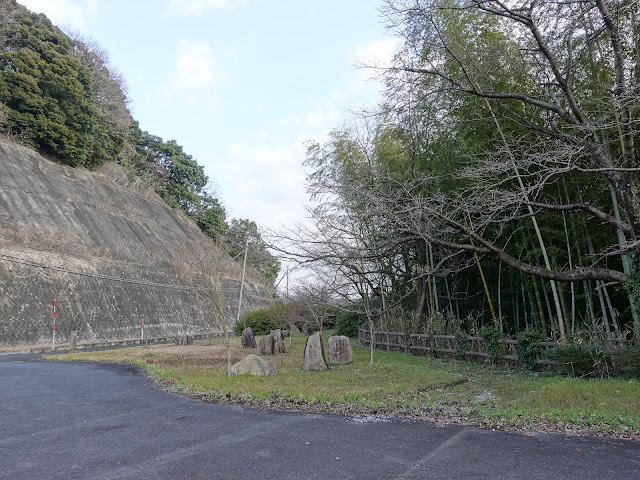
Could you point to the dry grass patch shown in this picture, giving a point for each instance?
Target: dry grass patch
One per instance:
(200, 369)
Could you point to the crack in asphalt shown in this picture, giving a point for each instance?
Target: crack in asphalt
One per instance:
(436, 452)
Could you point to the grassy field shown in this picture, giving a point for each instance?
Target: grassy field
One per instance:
(441, 390)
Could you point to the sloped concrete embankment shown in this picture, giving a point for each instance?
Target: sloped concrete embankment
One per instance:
(110, 257)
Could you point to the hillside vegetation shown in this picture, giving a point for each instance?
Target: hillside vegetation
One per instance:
(497, 182)
(60, 95)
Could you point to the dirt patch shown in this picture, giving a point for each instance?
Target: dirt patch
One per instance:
(206, 355)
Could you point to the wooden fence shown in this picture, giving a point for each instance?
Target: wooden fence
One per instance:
(415, 343)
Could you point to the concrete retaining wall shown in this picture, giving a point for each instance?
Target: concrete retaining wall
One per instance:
(110, 257)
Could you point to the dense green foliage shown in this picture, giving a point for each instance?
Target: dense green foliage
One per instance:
(579, 361)
(47, 93)
(177, 177)
(241, 233)
(529, 349)
(60, 95)
(626, 363)
(462, 344)
(261, 321)
(181, 179)
(347, 323)
(491, 337)
(597, 361)
(494, 185)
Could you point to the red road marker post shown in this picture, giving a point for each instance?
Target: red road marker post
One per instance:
(53, 341)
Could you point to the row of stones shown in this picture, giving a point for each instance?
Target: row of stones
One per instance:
(314, 356)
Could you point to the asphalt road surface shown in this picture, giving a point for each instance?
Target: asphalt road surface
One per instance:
(95, 421)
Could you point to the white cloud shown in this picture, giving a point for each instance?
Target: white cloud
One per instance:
(263, 178)
(196, 72)
(198, 7)
(264, 181)
(317, 122)
(378, 53)
(369, 61)
(71, 14)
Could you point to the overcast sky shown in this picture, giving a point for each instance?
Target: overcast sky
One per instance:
(240, 84)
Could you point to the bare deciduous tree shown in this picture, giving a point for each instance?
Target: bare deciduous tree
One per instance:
(203, 269)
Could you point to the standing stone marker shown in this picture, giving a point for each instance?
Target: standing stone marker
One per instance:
(253, 365)
(339, 350)
(183, 339)
(266, 345)
(248, 340)
(73, 344)
(279, 344)
(314, 358)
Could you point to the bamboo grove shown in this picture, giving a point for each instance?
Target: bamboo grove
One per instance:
(497, 183)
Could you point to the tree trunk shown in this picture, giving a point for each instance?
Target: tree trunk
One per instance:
(554, 291)
(500, 299)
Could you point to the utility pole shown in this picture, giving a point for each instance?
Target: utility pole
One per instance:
(244, 266)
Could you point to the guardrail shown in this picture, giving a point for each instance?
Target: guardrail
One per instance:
(124, 342)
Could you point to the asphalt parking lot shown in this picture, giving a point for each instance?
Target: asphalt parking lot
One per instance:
(99, 421)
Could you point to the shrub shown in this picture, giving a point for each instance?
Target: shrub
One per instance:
(600, 362)
(347, 324)
(578, 361)
(491, 335)
(462, 345)
(626, 363)
(261, 322)
(529, 348)
(431, 343)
